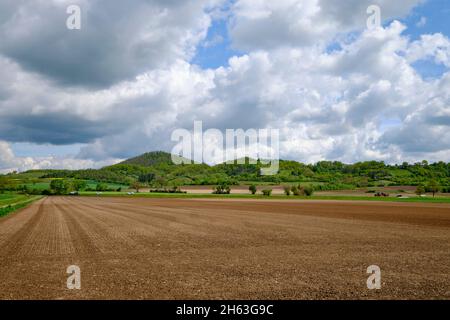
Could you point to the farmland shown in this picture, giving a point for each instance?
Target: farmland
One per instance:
(156, 248)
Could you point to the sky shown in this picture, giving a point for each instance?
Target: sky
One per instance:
(138, 70)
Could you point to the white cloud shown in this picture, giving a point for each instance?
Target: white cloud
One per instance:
(9, 162)
(430, 46)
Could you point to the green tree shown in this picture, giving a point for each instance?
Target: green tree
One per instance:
(7, 183)
(295, 191)
(3, 184)
(433, 187)
(101, 187)
(308, 191)
(223, 188)
(79, 185)
(420, 189)
(136, 185)
(160, 182)
(146, 178)
(60, 186)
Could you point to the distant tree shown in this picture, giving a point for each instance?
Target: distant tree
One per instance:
(420, 189)
(287, 190)
(223, 188)
(24, 189)
(7, 183)
(307, 172)
(2, 184)
(300, 190)
(79, 185)
(136, 185)
(146, 178)
(60, 186)
(433, 187)
(160, 182)
(101, 187)
(308, 191)
(252, 189)
(295, 191)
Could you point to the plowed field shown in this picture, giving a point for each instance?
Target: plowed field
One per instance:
(233, 249)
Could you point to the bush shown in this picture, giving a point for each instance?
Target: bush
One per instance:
(420, 189)
(173, 190)
(308, 191)
(287, 190)
(295, 191)
(60, 186)
(79, 185)
(337, 186)
(136, 185)
(267, 192)
(102, 187)
(222, 189)
(252, 189)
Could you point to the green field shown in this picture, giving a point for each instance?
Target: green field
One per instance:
(273, 197)
(9, 198)
(10, 202)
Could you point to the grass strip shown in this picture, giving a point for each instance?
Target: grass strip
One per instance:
(5, 210)
(273, 197)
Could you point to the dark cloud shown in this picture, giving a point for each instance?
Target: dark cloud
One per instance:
(57, 128)
(118, 39)
(269, 25)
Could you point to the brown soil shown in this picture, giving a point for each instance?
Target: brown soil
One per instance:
(233, 249)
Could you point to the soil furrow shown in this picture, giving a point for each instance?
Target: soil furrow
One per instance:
(205, 249)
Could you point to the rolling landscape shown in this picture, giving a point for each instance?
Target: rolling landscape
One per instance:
(155, 171)
(160, 238)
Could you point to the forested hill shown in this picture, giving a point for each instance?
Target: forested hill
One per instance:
(157, 166)
(149, 159)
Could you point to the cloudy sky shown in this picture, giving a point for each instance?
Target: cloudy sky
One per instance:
(139, 69)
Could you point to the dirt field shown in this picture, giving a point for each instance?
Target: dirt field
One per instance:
(234, 249)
